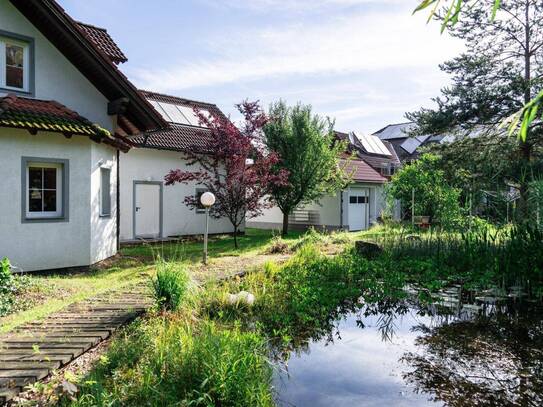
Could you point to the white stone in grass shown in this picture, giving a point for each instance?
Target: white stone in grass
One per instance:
(243, 297)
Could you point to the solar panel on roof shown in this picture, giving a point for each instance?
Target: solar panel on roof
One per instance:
(176, 116)
(159, 109)
(410, 145)
(373, 145)
(190, 115)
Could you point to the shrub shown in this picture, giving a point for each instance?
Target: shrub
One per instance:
(5, 273)
(170, 284)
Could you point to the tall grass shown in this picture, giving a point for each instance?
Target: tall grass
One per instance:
(170, 360)
(483, 257)
(170, 284)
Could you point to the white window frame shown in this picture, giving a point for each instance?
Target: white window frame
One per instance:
(26, 64)
(60, 197)
(102, 213)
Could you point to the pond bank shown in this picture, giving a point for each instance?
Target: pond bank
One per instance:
(213, 351)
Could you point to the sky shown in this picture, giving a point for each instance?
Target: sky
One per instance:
(363, 63)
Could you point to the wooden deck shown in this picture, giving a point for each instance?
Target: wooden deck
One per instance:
(34, 350)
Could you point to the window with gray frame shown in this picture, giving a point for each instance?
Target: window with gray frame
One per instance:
(44, 186)
(105, 192)
(16, 62)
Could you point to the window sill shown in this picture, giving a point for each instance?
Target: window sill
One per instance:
(105, 215)
(55, 219)
(26, 93)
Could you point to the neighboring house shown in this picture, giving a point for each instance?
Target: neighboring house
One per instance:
(64, 106)
(407, 148)
(355, 208)
(148, 208)
(379, 154)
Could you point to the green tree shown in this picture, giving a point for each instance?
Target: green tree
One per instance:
(434, 197)
(305, 144)
(493, 80)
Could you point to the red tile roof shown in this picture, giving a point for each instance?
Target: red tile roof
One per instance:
(48, 115)
(103, 41)
(360, 171)
(90, 58)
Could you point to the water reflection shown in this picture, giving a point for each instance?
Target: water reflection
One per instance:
(398, 353)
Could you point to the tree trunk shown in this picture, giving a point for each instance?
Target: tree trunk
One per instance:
(285, 224)
(236, 237)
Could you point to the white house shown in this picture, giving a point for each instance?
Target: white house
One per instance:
(358, 206)
(63, 102)
(149, 209)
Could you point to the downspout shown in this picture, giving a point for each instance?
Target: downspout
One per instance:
(118, 199)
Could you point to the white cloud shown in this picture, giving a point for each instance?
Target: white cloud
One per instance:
(295, 5)
(342, 44)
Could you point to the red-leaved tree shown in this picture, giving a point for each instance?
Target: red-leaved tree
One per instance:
(232, 165)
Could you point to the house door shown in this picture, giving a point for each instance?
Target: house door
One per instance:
(147, 209)
(358, 209)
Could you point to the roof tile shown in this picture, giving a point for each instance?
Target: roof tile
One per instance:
(103, 41)
(48, 115)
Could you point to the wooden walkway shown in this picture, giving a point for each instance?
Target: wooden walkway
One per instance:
(34, 350)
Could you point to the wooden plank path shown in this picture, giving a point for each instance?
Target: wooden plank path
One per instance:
(34, 350)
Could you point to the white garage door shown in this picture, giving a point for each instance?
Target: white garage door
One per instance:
(358, 209)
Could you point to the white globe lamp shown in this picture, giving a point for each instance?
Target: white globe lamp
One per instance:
(207, 199)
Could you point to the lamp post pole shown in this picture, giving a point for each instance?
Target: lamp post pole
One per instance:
(207, 200)
(205, 235)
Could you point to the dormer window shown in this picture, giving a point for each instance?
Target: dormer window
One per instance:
(388, 170)
(14, 64)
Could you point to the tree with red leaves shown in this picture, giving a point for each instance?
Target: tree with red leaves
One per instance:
(234, 166)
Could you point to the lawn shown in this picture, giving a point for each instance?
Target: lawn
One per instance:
(46, 294)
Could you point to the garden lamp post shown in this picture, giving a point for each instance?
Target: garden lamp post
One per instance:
(207, 200)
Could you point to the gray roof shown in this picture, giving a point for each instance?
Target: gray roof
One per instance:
(394, 131)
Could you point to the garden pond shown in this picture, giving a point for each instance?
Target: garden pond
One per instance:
(488, 352)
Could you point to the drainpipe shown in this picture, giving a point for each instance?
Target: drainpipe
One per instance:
(118, 199)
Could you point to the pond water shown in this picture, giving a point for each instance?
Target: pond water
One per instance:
(400, 354)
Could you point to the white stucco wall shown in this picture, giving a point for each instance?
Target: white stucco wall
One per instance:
(55, 77)
(35, 246)
(328, 208)
(152, 165)
(103, 230)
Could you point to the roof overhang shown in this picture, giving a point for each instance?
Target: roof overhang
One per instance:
(62, 31)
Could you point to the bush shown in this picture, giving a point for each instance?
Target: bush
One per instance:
(170, 284)
(434, 197)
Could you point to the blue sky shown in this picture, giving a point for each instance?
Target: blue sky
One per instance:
(363, 62)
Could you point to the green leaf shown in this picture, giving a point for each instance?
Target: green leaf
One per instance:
(497, 4)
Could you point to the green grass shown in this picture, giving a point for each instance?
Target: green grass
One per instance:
(173, 360)
(50, 293)
(189, 252)
(63, 290)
